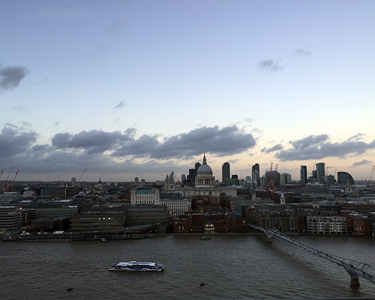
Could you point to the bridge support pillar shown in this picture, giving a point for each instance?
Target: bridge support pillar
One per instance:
(269, 239)
(354, 282)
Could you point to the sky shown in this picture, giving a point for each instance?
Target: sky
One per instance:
(130, 89)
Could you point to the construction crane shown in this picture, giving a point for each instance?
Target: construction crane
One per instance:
(273, 184)
(368, 182)
(81, 177)
(12, 182)
(268, 183)
(9, 173)
(1, 173)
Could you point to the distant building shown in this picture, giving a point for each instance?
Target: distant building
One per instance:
(255, 173)
(136, 180)
(321, 172)
(225, 171)
(303, 174)
(330, 180)
(285, 178)
(343, 177)
(205, 185)
(275, 177)
(73, 182)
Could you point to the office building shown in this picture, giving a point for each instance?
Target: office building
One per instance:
(320, 172)
(225, 171)
(303, 174)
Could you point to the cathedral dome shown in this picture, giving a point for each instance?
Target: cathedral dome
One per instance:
(204, 170)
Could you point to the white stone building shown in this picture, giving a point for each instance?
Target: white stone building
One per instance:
(145, 195)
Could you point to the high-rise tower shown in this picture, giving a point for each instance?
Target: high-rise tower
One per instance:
(225, 171)
(303, 174)
(321, 172)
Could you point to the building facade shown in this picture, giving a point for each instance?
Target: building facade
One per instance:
(145, 195)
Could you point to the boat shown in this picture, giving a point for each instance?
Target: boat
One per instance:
(137, 266)
(103, 239)
(205, 238)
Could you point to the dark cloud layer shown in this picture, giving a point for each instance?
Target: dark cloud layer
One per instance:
(74, 152)
(94, 141)
(226, 141)
(13, 142)
(11, 77)
(318, 147)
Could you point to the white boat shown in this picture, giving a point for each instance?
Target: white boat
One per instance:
(137, 266)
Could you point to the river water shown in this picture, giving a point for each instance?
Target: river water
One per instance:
(230, 266)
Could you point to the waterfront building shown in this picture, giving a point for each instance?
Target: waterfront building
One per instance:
(98, 219)
(175, 204)
(146, 214)
(10, 220)
(303, 174)
(320, 172)
(225, 171)
(327, 225)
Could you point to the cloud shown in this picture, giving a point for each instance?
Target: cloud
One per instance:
(220, 142)
(361, 163)
(117, 152)
(13, 142)
(11, 77)
(120, 105)
(269, 65)
(318, 147)
(309, 141)
(302, 52)
(94, 141)
(272, 149)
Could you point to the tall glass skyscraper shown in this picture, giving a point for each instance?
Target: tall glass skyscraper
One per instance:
(225, 171)
(321, 172)
(303, 174)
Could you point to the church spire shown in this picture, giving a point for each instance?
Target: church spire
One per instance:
(204, 159)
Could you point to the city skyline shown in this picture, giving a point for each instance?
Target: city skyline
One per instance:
(130, 89)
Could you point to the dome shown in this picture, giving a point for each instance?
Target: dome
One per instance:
(204, 170)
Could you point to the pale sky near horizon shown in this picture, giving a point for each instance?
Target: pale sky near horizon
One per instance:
(144, 88)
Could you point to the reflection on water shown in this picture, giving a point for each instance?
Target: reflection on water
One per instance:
(230, 266)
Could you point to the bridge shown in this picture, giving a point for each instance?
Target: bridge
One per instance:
(354, 268)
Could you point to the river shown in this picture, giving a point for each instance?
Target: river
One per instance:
(230, 266)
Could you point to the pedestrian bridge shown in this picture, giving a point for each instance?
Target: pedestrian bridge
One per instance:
(354, 268)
